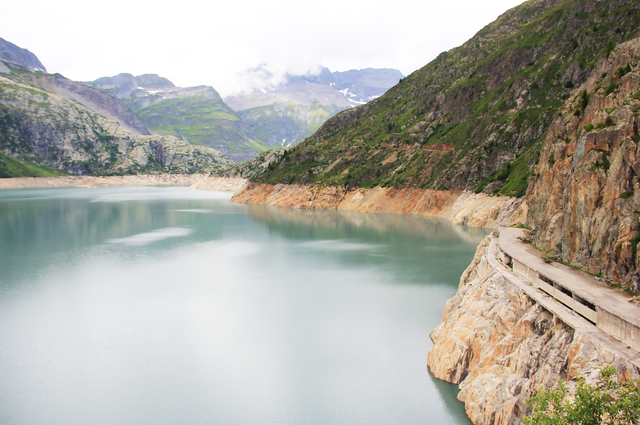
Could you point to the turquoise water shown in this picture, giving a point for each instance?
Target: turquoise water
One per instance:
(171, 306)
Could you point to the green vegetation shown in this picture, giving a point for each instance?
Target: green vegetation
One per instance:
(452, 123)
(608, 402)
(201, 119)
(12, 167)
(291, 122)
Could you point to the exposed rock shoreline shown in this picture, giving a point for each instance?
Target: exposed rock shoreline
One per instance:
(460, 207)
(195, 181)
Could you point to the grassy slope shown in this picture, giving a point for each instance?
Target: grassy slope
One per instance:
(201, 120)
(489, 101)
(12, 167)
(293, 122)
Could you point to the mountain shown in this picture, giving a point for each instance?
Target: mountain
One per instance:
(51, 125)
(197, 115)
(9, 52)
(293, 110)
(476, 116)
(251, 123)
(359, 86)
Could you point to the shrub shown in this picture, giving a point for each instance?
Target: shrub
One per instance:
(608, 402)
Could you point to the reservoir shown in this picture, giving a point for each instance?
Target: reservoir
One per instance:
(164, 305)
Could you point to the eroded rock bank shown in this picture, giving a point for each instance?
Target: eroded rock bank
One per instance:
(460, 207)
(501, 346)
(92, 181)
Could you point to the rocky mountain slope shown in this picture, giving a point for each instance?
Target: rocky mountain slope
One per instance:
(289, 112)
(9, 52)
(44, 124)
(197, 115)
(358, 85)
(475, 117)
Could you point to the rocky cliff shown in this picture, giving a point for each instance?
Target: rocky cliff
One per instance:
(42, 127)
(585, 194)
(501, 346)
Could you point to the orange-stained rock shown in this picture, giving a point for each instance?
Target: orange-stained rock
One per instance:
(472, 209)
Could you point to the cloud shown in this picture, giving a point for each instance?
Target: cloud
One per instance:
(193, 43)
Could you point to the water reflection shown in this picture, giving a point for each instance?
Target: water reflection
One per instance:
(389, 242)
(345, 224)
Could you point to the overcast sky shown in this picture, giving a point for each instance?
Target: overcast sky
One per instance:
(195, 42)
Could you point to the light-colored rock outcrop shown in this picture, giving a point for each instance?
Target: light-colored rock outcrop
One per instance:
(219, 183)
(501, 346)
(93, 181)
(472, 209)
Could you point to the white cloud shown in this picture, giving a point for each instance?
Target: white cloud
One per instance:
(192, 42)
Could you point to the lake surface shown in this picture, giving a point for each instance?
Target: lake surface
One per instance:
(161, 306)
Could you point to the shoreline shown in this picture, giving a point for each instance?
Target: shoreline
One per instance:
(459, 207)
(193, 181)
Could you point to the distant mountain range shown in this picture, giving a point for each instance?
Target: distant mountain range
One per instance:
(196, 115)
(293, 110)
(270, 117)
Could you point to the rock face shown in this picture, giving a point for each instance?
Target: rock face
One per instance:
(585, 195)
(11, 53)
(474, 210)
(45, 128)
(501, 347)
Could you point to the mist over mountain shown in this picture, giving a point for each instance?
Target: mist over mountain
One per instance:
(284, 110)
(271, 116)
